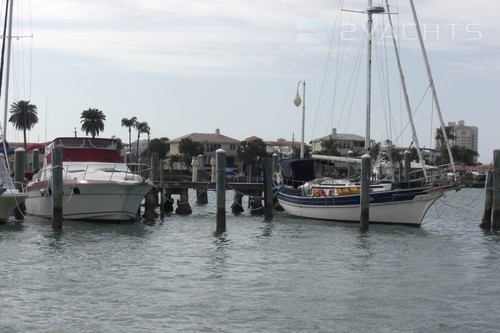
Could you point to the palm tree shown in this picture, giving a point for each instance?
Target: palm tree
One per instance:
(129, 123)
(141, 127)
(24, 116)
(92, 121)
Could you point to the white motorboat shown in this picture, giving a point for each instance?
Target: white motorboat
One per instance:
(97, 184)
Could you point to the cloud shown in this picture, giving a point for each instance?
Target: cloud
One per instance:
(178, 36)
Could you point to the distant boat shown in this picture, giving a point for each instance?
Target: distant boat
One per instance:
(304, 192)
(97, 184)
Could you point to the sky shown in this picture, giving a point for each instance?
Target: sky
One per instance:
(197, 66)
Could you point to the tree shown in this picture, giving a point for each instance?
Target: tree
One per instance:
(307, 151)
(24, 116)
(141, 127)
(129, 123)
(464, 155)
(92, 122)
(251, 154)
(119, 143)
(160, 146)
(450, 134)
(329, 147)
(189, 148)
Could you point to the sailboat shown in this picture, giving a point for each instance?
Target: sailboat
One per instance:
(304, 192)
(10, 196)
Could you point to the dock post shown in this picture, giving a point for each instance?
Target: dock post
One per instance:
(495, 208)
(237, 206)
(213, 175)
(151, 199)
(255, 203)
(365, 191)
(57, 191)
(19, 165)
(275, 163)
(35, 160)
(221, 189)
(162, 193)
(149, 206)
(488, 202)
(194, 176)
(407, 165)
(168, 204)
(201, 196)
(268, 191)
(183, 207)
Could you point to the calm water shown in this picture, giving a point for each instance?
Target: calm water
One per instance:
(283, 275)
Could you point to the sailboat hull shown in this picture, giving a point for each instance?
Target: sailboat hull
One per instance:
(394, 207)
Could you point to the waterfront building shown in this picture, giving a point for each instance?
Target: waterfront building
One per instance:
(462, 136)
(211, 142)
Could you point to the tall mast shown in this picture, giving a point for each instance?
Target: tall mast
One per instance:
(405, 94)
(370, 11)
(7, 73)
(431, 83)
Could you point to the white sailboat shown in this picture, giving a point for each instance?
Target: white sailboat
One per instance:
(10, 196)
(304, 194)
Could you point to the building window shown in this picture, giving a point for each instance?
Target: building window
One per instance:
(210, 148)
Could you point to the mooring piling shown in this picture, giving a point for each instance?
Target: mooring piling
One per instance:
(19, 165)
(488, 202)
(365, 191)
(268, 191)
(220, 166)
(57, 191)
(495, 207)
(407, 165)
(35, 160)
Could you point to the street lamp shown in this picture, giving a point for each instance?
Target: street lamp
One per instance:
(297, 102)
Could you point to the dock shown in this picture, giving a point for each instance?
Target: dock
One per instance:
(254, 191)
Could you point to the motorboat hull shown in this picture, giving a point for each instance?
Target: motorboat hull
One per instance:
(90, 200)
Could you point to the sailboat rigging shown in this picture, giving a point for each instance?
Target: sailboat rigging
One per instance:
(304, 192)
(10, 196)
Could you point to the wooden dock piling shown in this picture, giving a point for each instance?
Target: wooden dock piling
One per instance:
(268, 191)
(57, 191)
(35, 160)
(220, 166)
(19, 166)
(495, 208)
(407, 165)
(151, 199)
(237, 206)
(365, 191)
(488, 202)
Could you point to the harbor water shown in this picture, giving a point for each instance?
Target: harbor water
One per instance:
(279, 275)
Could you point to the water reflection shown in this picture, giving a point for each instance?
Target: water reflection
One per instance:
(267, 229)
(218, 260)
(55, 239)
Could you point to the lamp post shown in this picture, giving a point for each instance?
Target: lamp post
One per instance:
(297, 101)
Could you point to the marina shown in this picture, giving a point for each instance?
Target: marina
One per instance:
(164, 232)
(259, 275)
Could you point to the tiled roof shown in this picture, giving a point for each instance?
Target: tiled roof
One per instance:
(210, 137)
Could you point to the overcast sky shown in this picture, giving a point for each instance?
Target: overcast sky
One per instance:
(195, 66)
